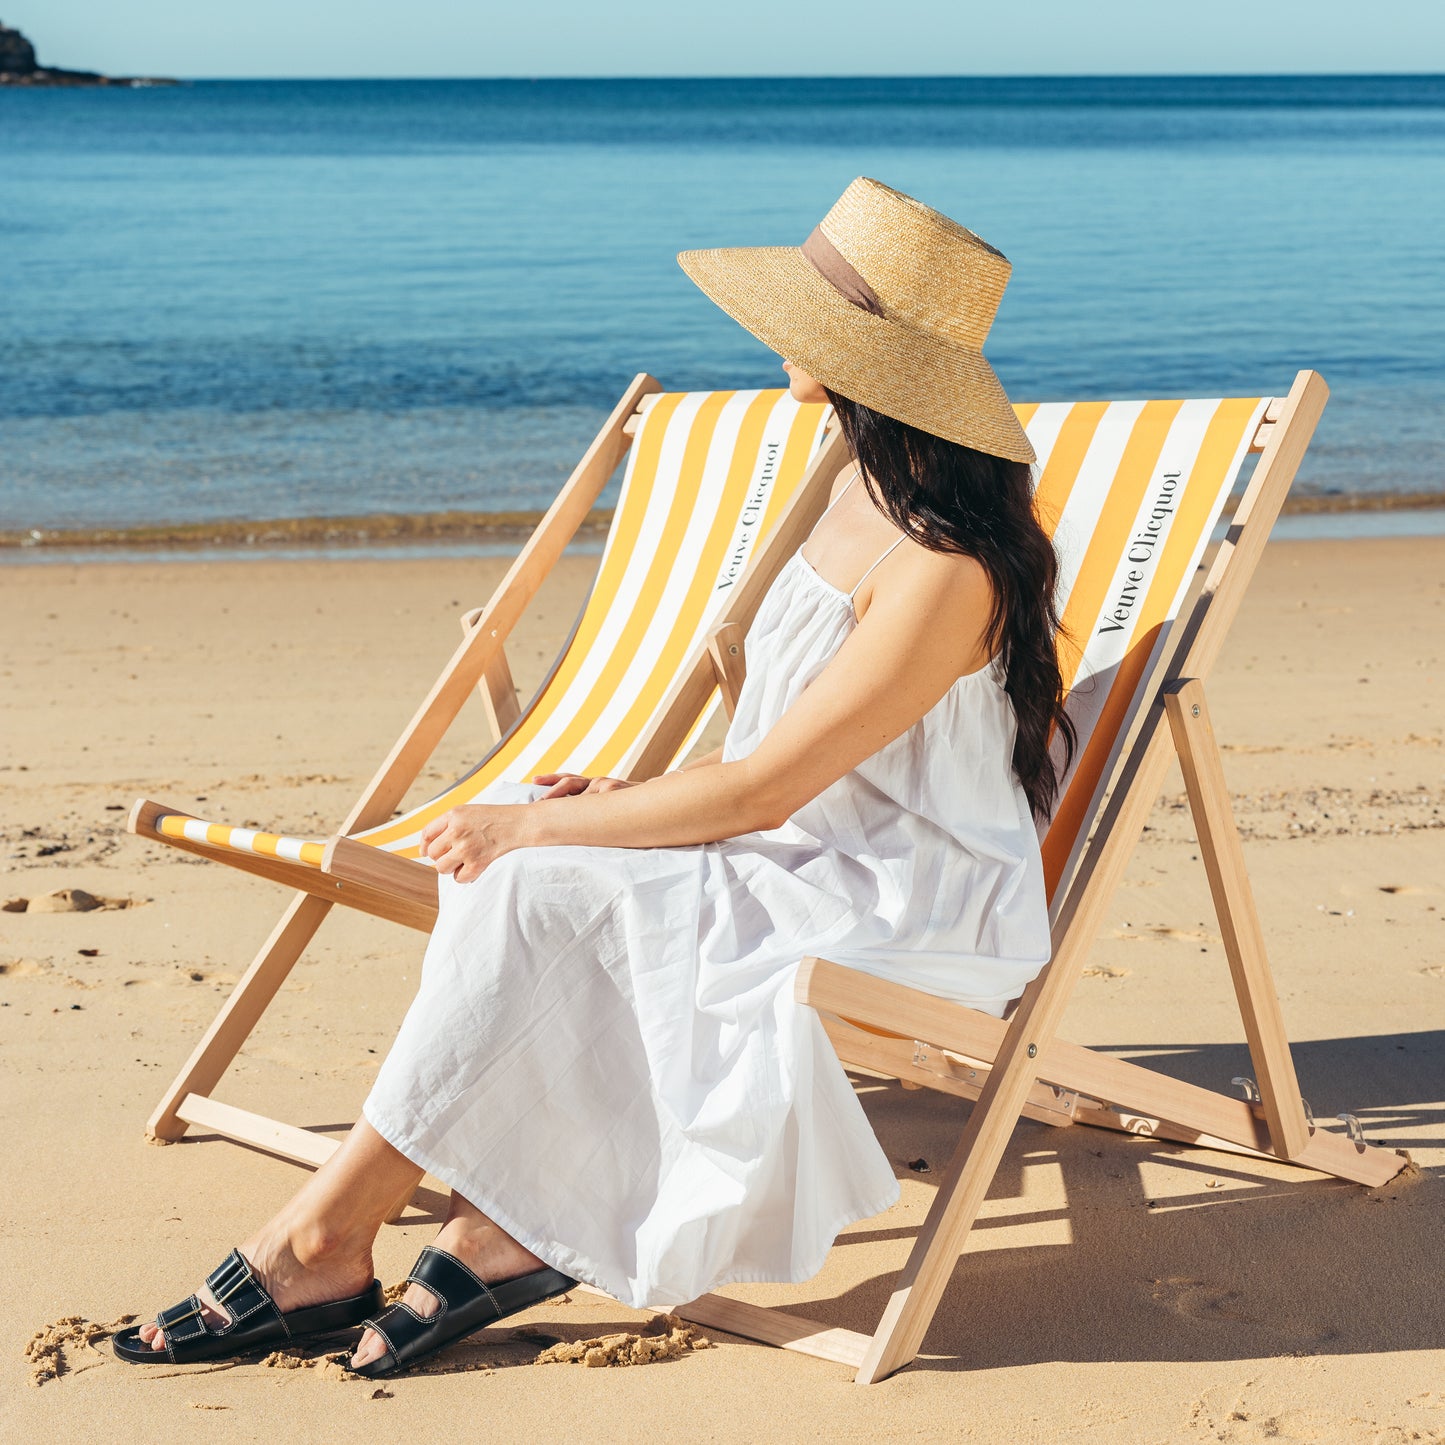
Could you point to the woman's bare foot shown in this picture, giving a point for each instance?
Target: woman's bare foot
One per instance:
(298, 1264)
(485, 1248)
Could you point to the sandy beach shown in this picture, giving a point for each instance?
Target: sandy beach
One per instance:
(1117, 1290)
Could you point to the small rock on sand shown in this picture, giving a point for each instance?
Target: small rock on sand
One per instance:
(65, 900)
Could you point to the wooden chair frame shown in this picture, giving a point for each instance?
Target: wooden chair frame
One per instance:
(1015, 1068)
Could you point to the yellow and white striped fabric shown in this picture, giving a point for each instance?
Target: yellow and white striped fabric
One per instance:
(707, 476)
(1129, 490)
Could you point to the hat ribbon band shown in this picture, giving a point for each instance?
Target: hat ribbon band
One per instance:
(834, 268)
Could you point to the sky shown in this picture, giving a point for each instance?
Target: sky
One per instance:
(363, 38)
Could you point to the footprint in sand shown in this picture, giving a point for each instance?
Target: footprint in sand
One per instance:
(1159, 930)
(1195, 1299)
(1185, 935)
(1247, 1425)
(200, 975)
(22, 968)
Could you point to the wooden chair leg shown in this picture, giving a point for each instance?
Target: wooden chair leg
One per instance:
(240, 1013)
(931, 1262)
(1239, 925)
(394, 1214)
(955, 1207)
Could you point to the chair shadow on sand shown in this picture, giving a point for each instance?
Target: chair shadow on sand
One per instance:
(1162, 1252)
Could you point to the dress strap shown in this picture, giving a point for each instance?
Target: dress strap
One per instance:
(864, 577)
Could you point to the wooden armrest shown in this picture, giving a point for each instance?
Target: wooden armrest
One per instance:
(402, 878)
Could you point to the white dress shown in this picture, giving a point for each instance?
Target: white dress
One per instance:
(605, 1055)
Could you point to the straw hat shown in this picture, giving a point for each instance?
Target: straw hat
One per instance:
(887, 303)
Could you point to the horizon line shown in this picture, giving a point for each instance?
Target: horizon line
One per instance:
(871, 75)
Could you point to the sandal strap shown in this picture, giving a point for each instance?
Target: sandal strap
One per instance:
(381, 1324)
(239, 1292)
(183, 1322)
(450, 1281)
(467, 1304)
(458, 1288)
(236, 1290)
(401, 1329)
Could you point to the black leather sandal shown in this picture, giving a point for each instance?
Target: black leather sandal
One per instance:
(468, 1304)
(256, 1323)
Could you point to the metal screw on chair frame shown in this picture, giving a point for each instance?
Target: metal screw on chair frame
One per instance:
(1194, 710)
(920, 1052)
(1033, 1051)
(1354, 1130)
(956, 1063)
(1251, 1089)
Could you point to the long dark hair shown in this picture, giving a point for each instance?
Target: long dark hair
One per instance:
(951, 498)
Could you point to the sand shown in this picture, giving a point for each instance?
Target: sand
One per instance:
(1116, 1290)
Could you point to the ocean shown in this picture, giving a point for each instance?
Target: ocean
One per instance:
(260, 300)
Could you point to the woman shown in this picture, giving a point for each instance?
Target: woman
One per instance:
(605, 1060)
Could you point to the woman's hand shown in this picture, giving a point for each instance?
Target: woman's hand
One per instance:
(569, 785)
(463, 841)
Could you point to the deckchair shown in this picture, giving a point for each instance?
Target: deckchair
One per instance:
(1130, 492)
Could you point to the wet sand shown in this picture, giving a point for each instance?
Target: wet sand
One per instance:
(388, 529)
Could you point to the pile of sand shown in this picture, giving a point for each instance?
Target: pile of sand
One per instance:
(673, 1339)
(47, 1350)
(326, 1367)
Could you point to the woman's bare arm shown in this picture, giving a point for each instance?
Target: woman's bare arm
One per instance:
(892, 668)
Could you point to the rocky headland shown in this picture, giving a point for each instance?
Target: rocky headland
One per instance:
(18, 66)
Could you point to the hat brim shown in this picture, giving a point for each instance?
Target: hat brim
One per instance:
(914, 376)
